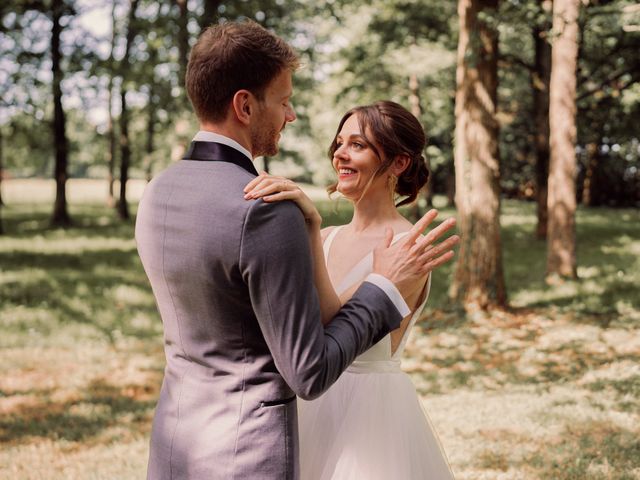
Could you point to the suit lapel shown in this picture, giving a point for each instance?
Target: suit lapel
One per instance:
(217, 152)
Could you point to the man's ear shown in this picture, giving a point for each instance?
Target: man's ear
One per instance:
(242, 105)
(399, 165)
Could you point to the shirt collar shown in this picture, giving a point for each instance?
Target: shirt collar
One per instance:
(204, 136)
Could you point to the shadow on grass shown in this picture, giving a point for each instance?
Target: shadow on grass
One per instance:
(25, 221)
(78, 288)
(28, 391)
(78, 278)
(98, 408)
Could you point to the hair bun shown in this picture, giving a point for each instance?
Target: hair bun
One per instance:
(412, 179)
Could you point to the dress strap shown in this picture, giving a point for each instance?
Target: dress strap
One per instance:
(328, 241)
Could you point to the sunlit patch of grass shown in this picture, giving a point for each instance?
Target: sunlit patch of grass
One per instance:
(590, 451)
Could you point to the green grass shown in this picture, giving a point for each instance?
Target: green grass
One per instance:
(81, 352)
(81, 284)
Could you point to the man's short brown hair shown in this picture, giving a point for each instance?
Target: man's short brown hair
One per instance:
(234, 56)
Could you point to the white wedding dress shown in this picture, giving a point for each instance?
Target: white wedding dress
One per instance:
(370, 425)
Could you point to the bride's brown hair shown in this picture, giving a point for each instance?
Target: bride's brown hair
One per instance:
(395, 131)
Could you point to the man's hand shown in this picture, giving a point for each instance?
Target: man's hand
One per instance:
(409, 260)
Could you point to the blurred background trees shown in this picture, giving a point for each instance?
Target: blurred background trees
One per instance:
(96, 89)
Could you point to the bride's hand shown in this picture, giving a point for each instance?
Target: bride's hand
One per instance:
(274, 189)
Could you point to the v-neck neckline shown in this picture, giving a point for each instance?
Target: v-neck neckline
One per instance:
(347, 280)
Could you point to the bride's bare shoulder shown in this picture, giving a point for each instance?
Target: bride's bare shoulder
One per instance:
(402, 225)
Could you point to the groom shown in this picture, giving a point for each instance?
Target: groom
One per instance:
(233, 279)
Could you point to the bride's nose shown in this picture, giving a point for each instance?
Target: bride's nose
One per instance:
(340, 152)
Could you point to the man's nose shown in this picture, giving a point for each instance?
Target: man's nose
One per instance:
(290, 114)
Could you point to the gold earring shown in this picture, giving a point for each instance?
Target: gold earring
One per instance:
(392, 181)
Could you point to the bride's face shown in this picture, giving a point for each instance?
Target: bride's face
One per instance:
(355, 162)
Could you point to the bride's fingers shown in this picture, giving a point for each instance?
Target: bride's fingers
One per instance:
(419, 227)
(274, 197)
(283, 195)
(433, 251)
(268, 185)
(436, 262)
(267, 188)
(255, 181)
(436, 233)
(265, 179)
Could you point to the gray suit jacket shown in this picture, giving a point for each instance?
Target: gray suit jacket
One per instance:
(234, 286)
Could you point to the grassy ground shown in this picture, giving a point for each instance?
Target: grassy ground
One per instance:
(547, 390)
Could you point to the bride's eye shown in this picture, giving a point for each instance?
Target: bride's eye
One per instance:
(358, 145)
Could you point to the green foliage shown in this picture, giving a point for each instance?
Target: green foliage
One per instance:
(353, 53)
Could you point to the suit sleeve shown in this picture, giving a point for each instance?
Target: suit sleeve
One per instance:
(275, 261)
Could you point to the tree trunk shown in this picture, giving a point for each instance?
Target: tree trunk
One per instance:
(125, 148)
(183, 40)
(112, 134)
(210, 15)
(60, 216)
(112, 148)
(125, 156)
(151, 120)
(1, 175)
(478, 279)
(450, 185)
(561, 236)
(540, 87)
(592, 164)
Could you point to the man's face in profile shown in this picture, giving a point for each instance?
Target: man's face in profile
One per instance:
(274, 112)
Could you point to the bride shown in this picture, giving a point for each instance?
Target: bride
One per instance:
(370, 424)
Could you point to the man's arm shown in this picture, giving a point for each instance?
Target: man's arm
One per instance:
(275, 261)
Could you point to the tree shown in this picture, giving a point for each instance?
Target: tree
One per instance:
(60, 216)
(540, 79)
(210, 13)
(561, 240)
(125, 147)
(111, 124)
(478, 278)
(183, 40)
(608, 71)
(1, 174)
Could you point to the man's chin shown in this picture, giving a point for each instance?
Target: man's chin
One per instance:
(272, 151)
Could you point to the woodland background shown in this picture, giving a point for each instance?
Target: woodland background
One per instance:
(527, 356)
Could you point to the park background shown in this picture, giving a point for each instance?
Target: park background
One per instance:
(527, 355)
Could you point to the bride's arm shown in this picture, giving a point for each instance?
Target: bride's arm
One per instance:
(329, 301)
(274, 189)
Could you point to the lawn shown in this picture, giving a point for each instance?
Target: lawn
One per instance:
(547, 390)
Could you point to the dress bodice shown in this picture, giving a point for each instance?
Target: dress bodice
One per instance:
(380, 357)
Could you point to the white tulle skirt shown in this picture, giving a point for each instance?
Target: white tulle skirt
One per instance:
(370, 425)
